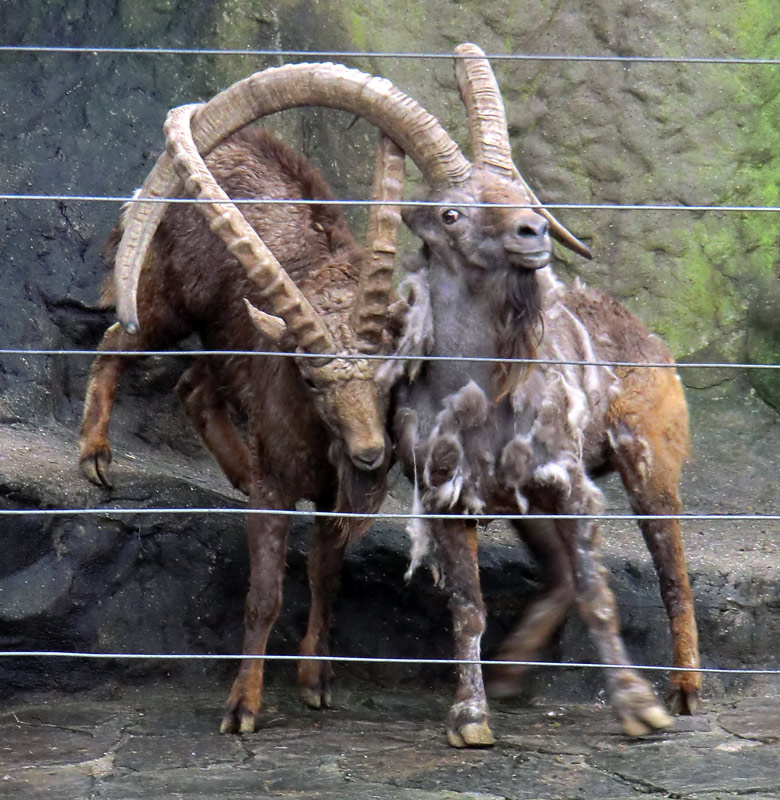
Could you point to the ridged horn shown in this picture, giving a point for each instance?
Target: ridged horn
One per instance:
(370, 315)
(240, 238)
(490, 135)
(415, 131)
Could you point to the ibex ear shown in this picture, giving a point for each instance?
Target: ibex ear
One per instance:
(272, 327)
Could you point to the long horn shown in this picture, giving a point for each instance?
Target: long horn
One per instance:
(332, 85)
(489, 132)
(240, 238)
(384, 221)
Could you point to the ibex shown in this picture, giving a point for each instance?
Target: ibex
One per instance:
(315, 427)
(480, 440)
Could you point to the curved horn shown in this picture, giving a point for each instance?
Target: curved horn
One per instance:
(240, 238)
(376, 282)
(484, 110)
(489, 132)
(332, 85)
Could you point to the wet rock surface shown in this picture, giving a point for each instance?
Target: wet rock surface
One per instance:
(158, 741)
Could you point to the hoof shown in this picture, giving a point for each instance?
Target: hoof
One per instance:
(239, 721)
(637, 707)
(316, 698)
(645, 721)
(94, 467)
(682, 700)
(472, 734)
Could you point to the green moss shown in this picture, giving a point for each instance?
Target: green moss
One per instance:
(356, 26)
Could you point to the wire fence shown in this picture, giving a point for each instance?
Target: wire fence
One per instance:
(260, 201)
(374, 660)
(330, 54)
(555, 57)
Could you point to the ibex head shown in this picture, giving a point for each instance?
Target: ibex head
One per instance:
(464, 229)
(463, 232)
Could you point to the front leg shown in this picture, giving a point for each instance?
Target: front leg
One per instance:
(455, 543)
(325, 557)
(267, 539)
(543, 614)
(634, 701)
(94, 446)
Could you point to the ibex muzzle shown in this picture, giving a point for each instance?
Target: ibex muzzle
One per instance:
(526, 239)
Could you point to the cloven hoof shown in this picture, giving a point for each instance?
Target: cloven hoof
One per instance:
(316, 698)
(648, 720)
(473, 734)
(682, 701)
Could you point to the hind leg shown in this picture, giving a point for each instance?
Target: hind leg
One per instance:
(648, 449)
(544, 613)
(199, 394)
(653, 491)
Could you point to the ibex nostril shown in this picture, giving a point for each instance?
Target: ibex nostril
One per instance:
(527, 230)
(370, 458)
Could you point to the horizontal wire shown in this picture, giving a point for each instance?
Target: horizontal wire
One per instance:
(86, 198)
(289, 512)
(390, 54)
(379, 660)
(375, 357)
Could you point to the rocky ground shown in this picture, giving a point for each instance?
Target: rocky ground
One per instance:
(157, 741)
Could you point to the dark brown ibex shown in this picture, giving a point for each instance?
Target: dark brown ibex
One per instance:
(315, 427)
(480, 440)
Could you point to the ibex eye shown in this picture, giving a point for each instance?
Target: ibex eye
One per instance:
(450, 216)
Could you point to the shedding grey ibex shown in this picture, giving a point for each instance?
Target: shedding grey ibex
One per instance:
(315, 427)
(482, 440)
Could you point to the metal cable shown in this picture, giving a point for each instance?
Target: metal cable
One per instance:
(380, 54)
(289, 512)
(389, 357)
(86, 198)
(376, 660)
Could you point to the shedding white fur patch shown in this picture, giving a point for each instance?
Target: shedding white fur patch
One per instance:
(446, 470)
(635, 449)
(470, 406)
(448, 494)
(515, 466)
(550, 287)
(554, 475)
(417, 336)
(419, 534)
